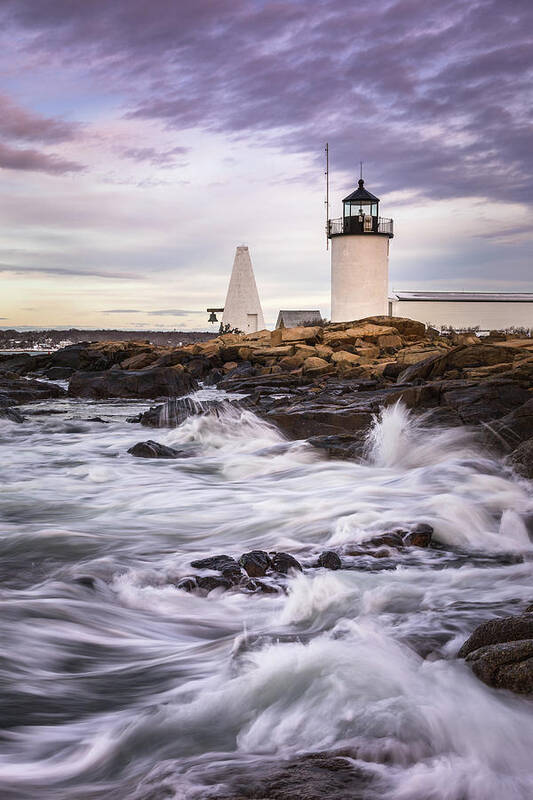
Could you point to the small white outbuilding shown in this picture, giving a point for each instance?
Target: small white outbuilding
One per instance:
(459, 310)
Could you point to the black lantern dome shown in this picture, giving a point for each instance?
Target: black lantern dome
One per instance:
(360, 215)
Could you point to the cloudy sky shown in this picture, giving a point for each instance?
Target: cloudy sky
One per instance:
(142, 140)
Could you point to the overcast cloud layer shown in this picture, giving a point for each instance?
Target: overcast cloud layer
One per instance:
(140, 142)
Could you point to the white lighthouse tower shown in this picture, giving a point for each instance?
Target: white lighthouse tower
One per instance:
(359, 258)
(242, 309)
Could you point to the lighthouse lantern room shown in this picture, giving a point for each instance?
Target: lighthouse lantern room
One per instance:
(359, 258)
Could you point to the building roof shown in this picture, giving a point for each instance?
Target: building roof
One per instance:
(466, 297)
(291, 319)
(361, 194)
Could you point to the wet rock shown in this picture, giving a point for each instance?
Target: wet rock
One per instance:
(173, 412)
(210, 582)
(515, 427)
(256, 563)
(342, 445)
(151, 449)
(12, 414)
(521, 459)
(393, 539)
(283, 562)
(498, 631)
(505, 666)
(58, 373)
(317, 776)
(420, 536)
(254, 585)
(152, 382)
(16, 391)
(218, 563)
(329, 560)
(188, 584)
(476, 404)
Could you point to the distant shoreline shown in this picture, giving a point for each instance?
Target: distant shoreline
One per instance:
(14, 340)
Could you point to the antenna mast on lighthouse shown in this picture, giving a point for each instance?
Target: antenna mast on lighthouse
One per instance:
(326, 202)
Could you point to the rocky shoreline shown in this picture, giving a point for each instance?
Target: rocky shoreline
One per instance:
(325, 385)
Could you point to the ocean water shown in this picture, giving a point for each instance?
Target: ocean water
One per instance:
(116, 684)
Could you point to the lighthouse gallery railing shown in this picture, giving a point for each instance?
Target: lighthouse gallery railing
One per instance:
(352, 225)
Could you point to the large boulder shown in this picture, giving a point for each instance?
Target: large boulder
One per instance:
(155, 382)
(505, 666)
(500, 653)
(408, 328)
(458, 358)
(497, 631)
(299, 334)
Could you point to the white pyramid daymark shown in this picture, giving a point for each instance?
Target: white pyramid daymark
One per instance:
(242, 308)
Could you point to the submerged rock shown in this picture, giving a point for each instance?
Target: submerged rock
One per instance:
(210, 582)
(329, 560)
(151, 449)
(420, 536)
(12, 414)
(316, 776)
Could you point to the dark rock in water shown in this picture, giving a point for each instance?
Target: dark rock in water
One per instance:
(498, 631)
(256, 563)
(329, 560)
(152, 449)
(86, 581)
(283, 562)
(254, 585)
(150, 382)
(420, 536)
(210, 582)
(16, 391)
(215, 562)
(515, 427)
(58, 373)
(215, 376)
(507, 665)
(521, 459)
(318, 776)
(173, 412)
(343, 445)
(484, 402)
(97, 419)
(393, 539)
(188, 584)
(12, 414)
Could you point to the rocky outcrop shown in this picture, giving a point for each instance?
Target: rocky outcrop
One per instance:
(149, 383)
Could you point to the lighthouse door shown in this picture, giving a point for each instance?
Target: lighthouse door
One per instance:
(252, 323)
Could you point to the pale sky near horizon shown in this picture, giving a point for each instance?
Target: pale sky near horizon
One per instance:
(140, 143)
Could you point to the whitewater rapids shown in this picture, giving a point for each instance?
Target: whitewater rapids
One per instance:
(127, 687)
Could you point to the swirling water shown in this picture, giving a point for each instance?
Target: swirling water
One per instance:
(128, 687)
